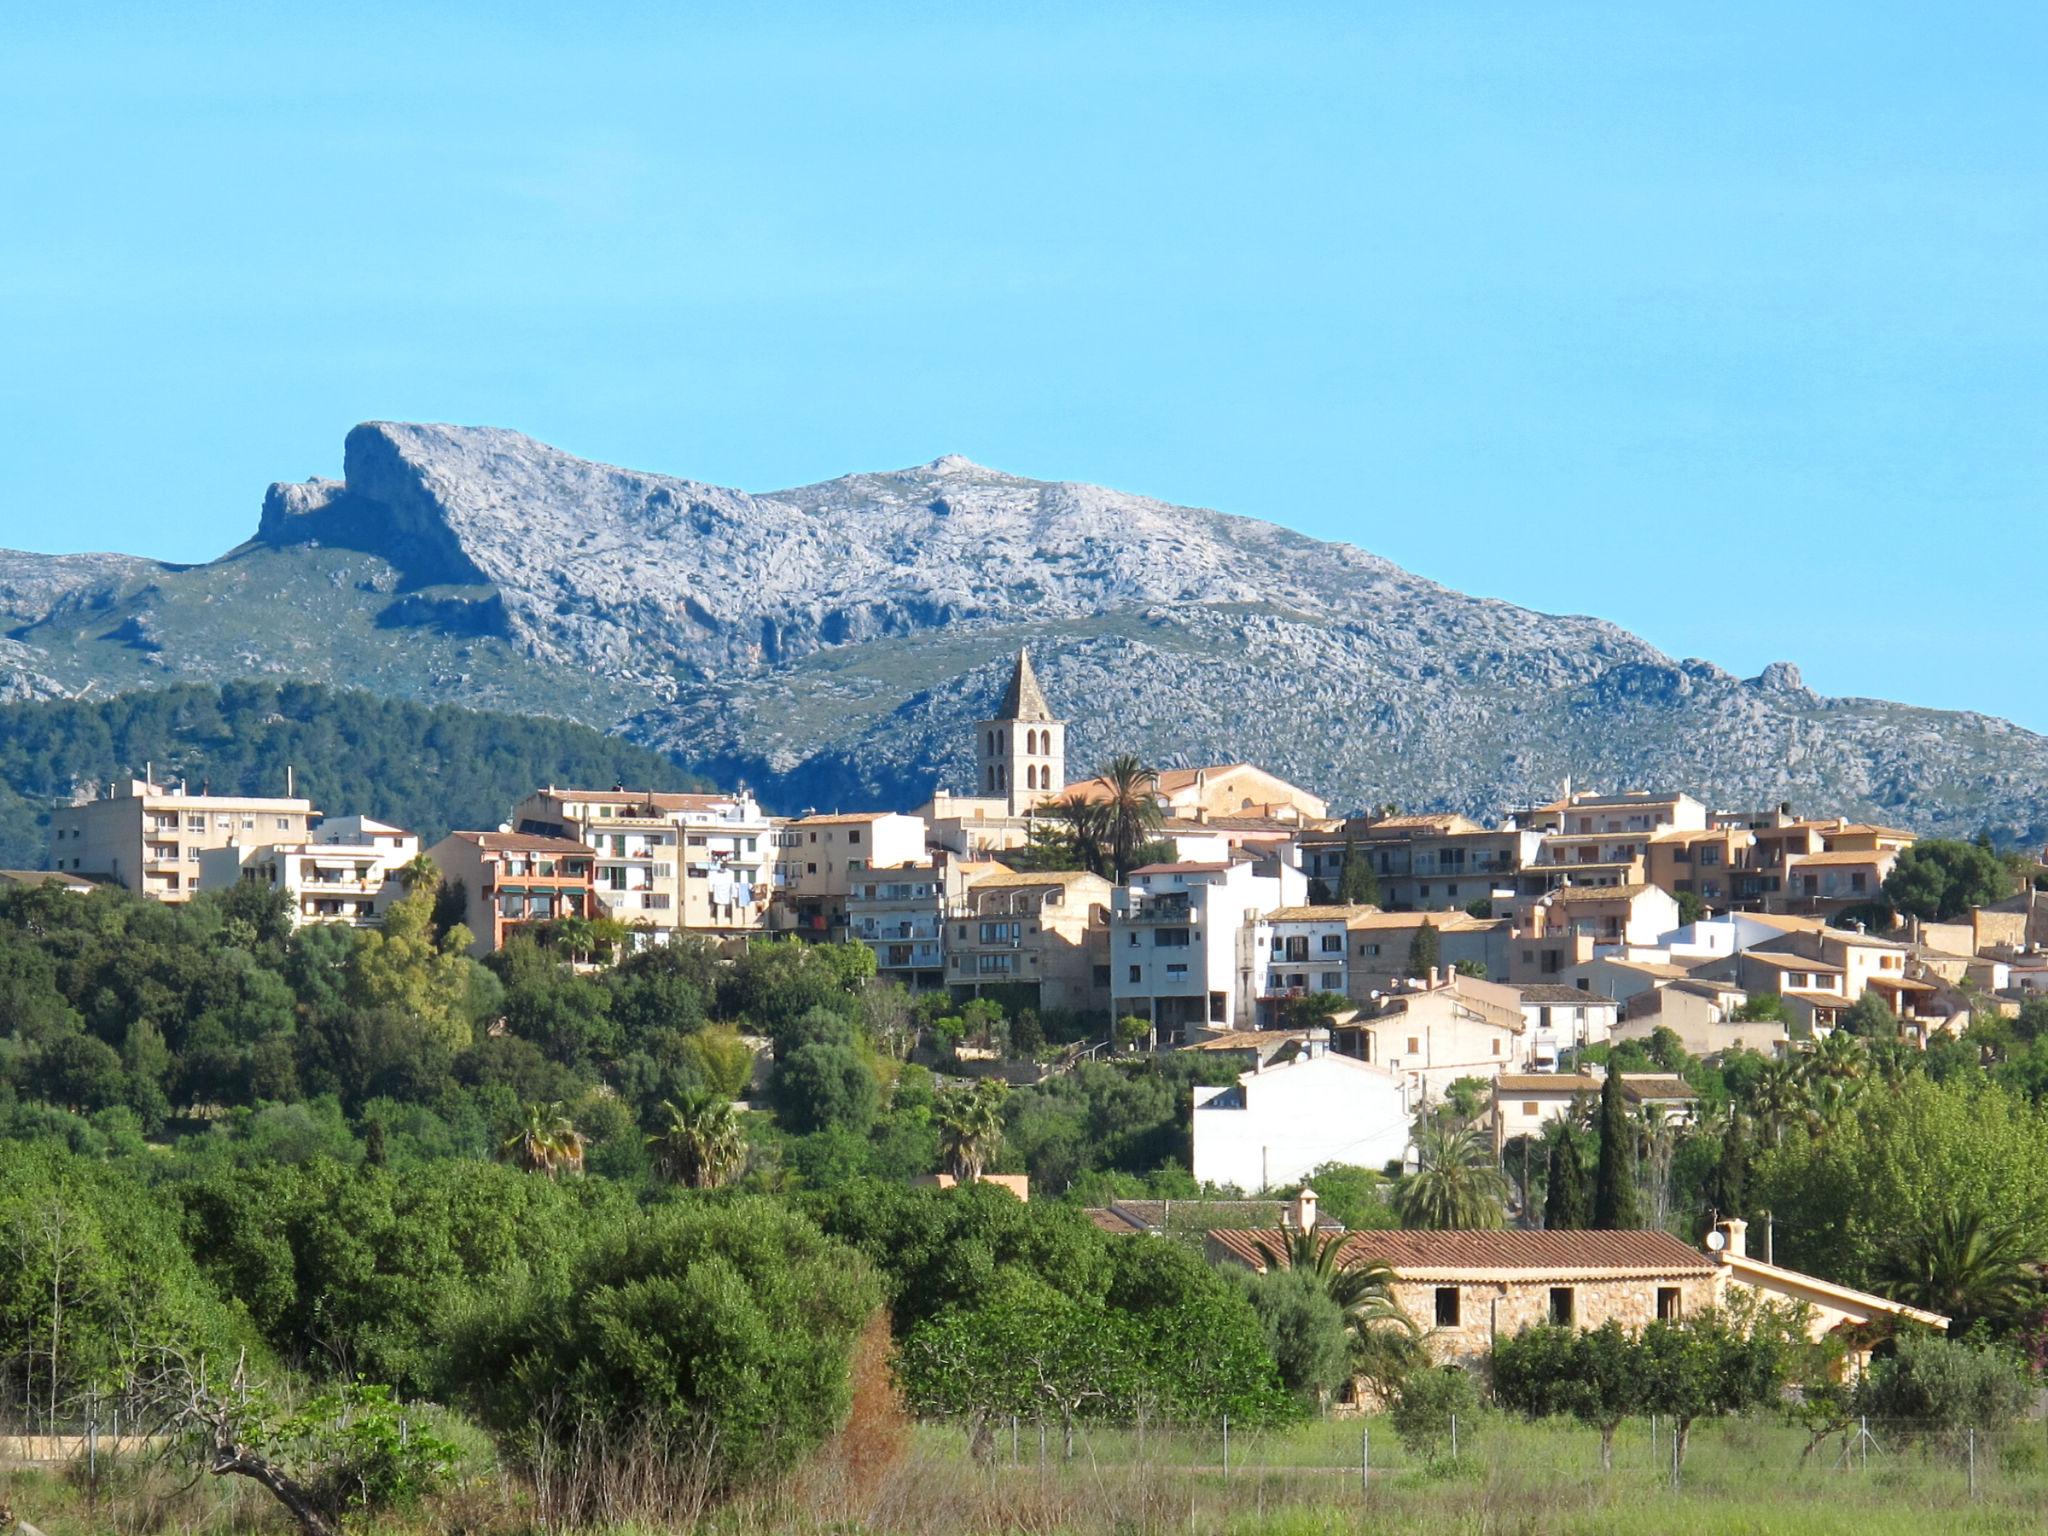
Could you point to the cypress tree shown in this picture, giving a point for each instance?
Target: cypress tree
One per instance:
(1357, 885)
(1731, 1173)
(1422, 950)
(1565, 1202)
(1615, 1207)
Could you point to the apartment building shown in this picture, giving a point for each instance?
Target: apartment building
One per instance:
(1040, 938)
(1568, 927)
(1381, 943)
(1632, 811)
(666, 863)
(348, 872)
(1821, 971)
(900, 913)
(820, 858)
(1433, 862)
(1829, 883)
(1182, 941)
(149, 837)
(1707, 862)
(514, 880)
(1562, 1019)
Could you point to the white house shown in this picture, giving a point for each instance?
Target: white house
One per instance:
(1561, 1019)
(1279, 1122)
(1179, 936)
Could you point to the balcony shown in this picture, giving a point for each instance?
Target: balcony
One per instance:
(1161, 909)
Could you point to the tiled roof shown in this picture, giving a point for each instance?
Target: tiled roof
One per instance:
(1656, 1085)
(1851, 856)
(1323, 914)
(1546, 1082)
(1180, 869)
(1548, 992)
(1779, 961)
(523, 842)
(1571, 895)
(1021, 878)
(841, 818)
(1418, 1255)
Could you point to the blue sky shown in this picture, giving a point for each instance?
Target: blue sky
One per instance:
(1722, 322)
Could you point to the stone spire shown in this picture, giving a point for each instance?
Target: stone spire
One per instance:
(1024, 700)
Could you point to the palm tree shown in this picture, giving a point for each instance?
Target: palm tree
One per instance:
(1828, 1102)
(701, 1143)
(1132, 811)
(1963, 1265)
(1778, 1099)
(1455, 1184)
(419, 872)
(1084, 828)
(971, 1127)
(547, 1141)
(1363, 1289)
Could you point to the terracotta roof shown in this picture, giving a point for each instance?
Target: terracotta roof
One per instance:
(1245, 1040)
(1449, 921)
(663, 800)
(1571, 895)
(1180, 869)
(1818, 999)
(1662, 968)
(523, 842)
(1846, 856)
(1871, 827)
(1324, 914)
(840, 818)
(1656, 1085)
(1419, 1255)
(1545, 1082)
(1780, 961)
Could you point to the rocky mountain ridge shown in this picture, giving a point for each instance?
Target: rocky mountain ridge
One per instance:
(831, 643)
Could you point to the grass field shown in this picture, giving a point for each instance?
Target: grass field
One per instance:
(1739, 1477)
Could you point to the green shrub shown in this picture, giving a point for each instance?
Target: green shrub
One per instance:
(1427, 1402)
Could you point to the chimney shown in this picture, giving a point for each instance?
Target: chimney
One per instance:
(1303, 1211)
(1736, 1231)
(1436, 977)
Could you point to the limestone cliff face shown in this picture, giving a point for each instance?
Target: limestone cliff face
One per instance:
(833, 642)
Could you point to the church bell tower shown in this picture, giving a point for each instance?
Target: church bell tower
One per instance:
(1021, 755)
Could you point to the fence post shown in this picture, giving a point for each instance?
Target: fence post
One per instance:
(1364, 1462)
(1973, 1462)
(1653, 1435)
(1014, 1457)
(1454, 1437)
(1863, 1442)
(1226, 1450)
(1674, 1459)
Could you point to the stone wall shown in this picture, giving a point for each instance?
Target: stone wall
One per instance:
(1526, 1303)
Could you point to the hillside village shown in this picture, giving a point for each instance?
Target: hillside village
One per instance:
(1358, 968)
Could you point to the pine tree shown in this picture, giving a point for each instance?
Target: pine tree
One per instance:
(1422, 950)
(1565, 1202)
(1357, 885)
(1615, 1206)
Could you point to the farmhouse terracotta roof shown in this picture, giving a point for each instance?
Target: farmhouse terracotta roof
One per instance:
(1421, 1255)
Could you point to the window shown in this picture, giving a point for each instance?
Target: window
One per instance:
(1137, 973)
(1667, 1303)
(1561, 1311)
(1170, 938)
(853, 837)
(1177, 970)
(1333, 943)
(1333, 981)
(1496, 1047)
(1447, 1306)
(1528, 1106)
(1414, 1046)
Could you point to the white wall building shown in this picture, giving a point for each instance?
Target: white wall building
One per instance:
(1278, 1123)
(347, 872)
(1180, 941)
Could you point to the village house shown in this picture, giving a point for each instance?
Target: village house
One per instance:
(506, 881)
(1469, 1289)
(899, 911)
(1525, 1102)
(149, 837)
(1465, 1289)
(1381, 943)
(1180, 941)
(820, 858)
(1568, 927)
(1226, 789)
(1559, 1019)
(1441, 1028)
(347, 872)
(1701, 1012)
(1297, 951)
(1287, 1116)
(1040, 939)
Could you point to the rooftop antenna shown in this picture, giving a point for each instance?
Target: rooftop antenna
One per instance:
(287, 781)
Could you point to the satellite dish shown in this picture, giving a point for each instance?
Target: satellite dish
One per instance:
(1716, 1240)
